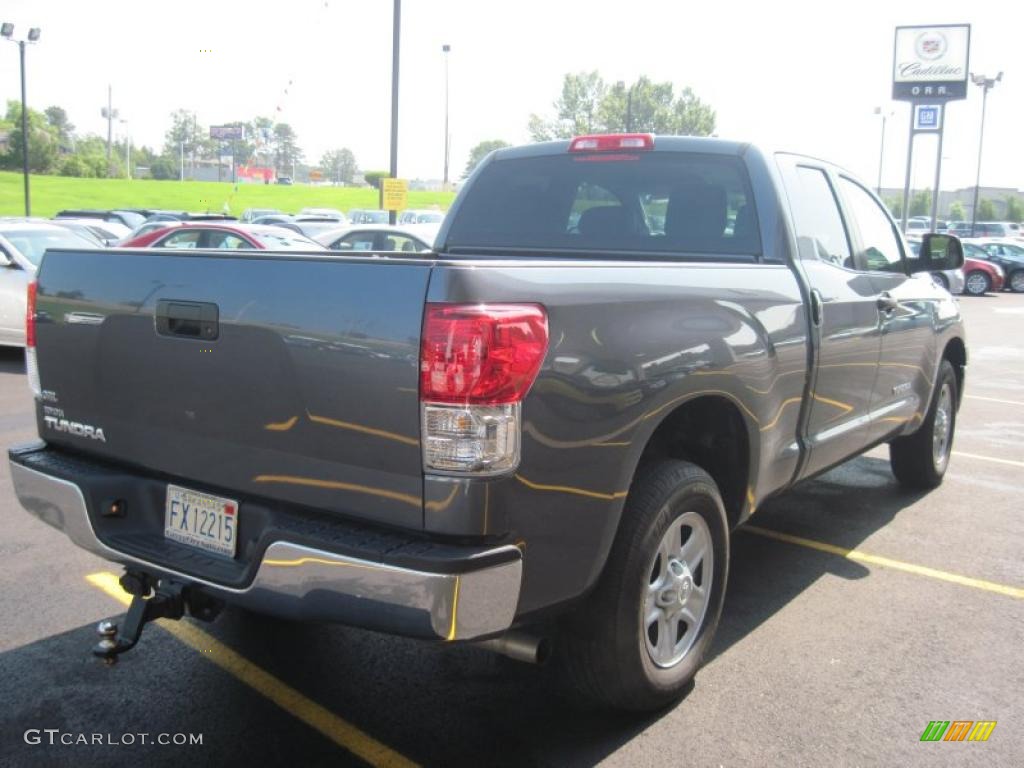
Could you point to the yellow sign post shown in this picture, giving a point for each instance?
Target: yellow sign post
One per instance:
(394, 194)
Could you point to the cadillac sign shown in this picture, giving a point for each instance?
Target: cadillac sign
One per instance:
(931, 63)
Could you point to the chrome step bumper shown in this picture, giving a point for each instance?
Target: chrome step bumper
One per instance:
(304, 583)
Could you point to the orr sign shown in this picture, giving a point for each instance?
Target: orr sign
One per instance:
(931, 63)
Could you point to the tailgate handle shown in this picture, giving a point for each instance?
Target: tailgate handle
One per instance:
(187, 319)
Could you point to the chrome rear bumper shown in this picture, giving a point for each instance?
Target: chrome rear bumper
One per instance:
(304, 583)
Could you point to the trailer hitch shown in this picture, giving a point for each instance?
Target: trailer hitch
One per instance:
(151, 599)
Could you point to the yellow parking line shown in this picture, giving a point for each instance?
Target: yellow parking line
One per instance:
(885, 562)
(339, 731)
(993, 459)
(993, 400)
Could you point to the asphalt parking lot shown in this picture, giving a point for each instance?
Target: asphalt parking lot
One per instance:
(856, 614)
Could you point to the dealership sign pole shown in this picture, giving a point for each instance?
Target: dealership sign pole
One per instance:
(930, 66)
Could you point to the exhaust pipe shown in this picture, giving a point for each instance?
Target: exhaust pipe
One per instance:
(519, 646)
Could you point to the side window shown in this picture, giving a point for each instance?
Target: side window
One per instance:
(405, 244)
(880, 247)
(820, 232)
(225, 240)
(357, 241)
(188, 239)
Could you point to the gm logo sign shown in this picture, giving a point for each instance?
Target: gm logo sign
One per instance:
(958, 730)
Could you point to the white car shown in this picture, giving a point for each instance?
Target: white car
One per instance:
(22, 245)
(380, 238)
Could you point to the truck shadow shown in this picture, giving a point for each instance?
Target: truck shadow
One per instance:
(463, 706)
(438, 706)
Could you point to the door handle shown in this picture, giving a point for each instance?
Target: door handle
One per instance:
(187, 319)
(887, 303)
(817, 307)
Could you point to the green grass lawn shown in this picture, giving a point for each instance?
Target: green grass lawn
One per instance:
(53, 193)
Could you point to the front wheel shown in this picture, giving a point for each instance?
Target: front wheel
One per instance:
(1016, 281)
(941, 279)
(919, 460)
(977, 283)
(639, 639)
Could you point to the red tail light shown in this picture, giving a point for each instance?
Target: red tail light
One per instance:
(486, 354)
(612, 142)
(30, 316)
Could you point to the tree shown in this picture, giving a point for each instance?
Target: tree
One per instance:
(576, 110)
(75, 165)
(480, 151)
(286, 148)
(957, 212)
(186, 134)
(588, 105)
(921, 203)
(986, 210)
(164, 168)
(339, 165)
(42, 141)
(1014, 209)
(57, 118)
(373, 177)
(895, 206)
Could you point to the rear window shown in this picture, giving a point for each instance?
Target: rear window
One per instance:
(650, 202)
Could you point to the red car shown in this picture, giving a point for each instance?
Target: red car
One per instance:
(209, 234)
(982, 276)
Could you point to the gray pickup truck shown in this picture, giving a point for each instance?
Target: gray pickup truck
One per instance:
(539, 435)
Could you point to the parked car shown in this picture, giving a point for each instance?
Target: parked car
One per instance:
(981, 275)
(413, 216)
(190, 235)
(189, 216)
(998, 229)
(539, 431)
(951, 279)
(1008, 254)
(284, 180)
(368, 216)
(22, 245)
(128, 218)
(322, 213)
(105, 232)
(380, 238)
(250, 215)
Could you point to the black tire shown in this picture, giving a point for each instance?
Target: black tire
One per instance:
(1015, 281)
(604, 646)
(977, 283)
(915, 458)
(941, 279)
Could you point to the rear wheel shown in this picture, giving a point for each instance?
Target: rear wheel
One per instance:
(919, 460)
(639, 639)
(1016, 281)
(941, 279)
(977, 283)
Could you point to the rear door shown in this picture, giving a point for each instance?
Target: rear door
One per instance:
(242, 372)
(844, 317)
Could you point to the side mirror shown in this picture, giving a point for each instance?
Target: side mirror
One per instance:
(938, 253)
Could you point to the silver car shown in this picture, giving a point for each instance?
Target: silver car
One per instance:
(22, 245)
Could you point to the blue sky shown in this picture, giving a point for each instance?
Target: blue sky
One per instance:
(800, 75)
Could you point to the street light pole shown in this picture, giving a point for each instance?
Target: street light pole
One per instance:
(881, 148)
(24, 131)
(6, 31)
(447, 137)
(986, 84)
(395, 42)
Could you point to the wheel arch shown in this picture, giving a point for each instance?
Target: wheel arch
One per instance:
(956, 353)
(711, 432)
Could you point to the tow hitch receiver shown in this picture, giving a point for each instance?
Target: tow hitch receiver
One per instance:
(151, 599)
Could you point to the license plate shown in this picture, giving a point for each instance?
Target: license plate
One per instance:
(201, 520)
